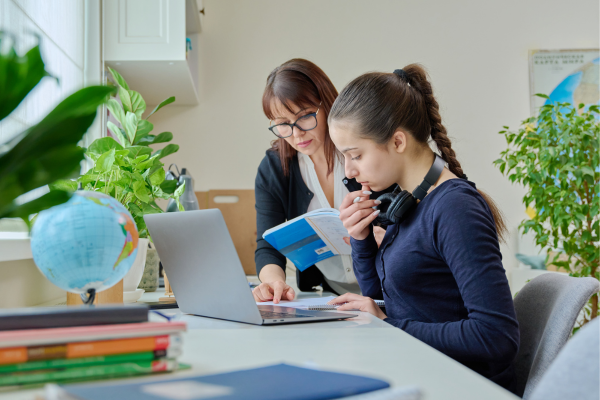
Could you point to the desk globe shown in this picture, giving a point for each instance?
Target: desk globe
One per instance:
(85, 245)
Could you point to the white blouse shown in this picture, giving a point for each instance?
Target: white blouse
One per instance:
(336, 268)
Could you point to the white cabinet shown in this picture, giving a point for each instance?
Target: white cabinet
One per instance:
(145, 41)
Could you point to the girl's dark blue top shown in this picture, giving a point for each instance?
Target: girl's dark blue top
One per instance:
(440, 273)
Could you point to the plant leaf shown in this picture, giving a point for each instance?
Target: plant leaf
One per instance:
(125, 99)
(118, 78)
(136, 151)
(118, 135)
(139, 159)
(102, 145)
(162, 104)
(116, 110)
(138, 105)
(143, 129)
(163, 137)
(130, 126)
(150, 209)
(146, 164)
(65, 185)
(140, 191)
(135, 209)
(168, 149)
(18, 76)
(56, 163)
(169, 186)
(105, 161)
(158, 177)
(179, 191)
(48, 200)
(145, 140)
(587, 170)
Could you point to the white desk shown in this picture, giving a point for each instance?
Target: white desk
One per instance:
(363, 345)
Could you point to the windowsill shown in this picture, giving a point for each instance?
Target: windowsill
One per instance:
(15, 246)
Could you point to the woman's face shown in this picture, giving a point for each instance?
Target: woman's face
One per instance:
(371, 164)
(306, 142)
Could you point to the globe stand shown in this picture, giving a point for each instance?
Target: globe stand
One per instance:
(113, 295)
(89, 297)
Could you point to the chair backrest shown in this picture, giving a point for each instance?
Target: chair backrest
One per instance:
(237, 207)
(547, 308)
(575, 373)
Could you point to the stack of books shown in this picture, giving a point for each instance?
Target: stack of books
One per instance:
(78, 344)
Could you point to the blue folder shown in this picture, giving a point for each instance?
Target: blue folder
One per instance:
(267, 383)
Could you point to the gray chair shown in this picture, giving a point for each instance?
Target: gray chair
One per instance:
(547, 308)
(575, 373)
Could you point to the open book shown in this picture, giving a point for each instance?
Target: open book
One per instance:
(311, 237)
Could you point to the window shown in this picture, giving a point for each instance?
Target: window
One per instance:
(70, 41)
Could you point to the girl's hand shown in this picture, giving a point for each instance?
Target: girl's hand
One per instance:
(273, 291)
(351, 301)
(357, 213)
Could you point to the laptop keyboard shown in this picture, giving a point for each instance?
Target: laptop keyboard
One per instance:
(271, 315)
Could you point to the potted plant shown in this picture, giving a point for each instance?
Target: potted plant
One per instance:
(127, 168)
(555, 155)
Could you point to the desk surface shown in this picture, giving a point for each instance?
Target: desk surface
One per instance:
(363, 345)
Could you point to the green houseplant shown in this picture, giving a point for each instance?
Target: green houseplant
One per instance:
(47, 151)
(555, 155)
(126, 167)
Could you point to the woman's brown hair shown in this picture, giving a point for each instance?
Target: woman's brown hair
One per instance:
(299, 82)
(379, 104)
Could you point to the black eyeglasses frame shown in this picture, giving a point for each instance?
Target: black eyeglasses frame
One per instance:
(294, 124)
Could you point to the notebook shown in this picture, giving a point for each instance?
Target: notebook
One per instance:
(313, 303)
(273, 382)
(328, 307)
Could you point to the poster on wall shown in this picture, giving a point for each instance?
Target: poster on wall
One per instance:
(571, 76)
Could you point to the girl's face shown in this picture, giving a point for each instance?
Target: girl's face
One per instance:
(373, 165)
(307, 142)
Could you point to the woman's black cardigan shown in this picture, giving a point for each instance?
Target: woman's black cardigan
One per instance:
(279, 199)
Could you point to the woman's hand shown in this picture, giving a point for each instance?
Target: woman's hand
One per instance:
(273, 286)
(273, 291)
(351, 301)
(356, 213)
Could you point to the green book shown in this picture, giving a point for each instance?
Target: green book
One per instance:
(88, 361)
(89, 372)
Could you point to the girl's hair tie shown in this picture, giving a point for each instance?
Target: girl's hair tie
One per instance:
(403, 75)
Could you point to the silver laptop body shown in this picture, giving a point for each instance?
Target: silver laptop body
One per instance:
(206, 274)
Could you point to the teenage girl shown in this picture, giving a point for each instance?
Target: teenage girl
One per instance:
(439, 267)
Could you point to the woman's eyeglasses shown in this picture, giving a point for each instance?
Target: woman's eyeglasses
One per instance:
(305, 123)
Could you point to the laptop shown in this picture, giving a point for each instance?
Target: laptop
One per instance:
(206, 274)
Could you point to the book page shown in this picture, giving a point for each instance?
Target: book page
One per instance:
(320, 211)
(332, 231)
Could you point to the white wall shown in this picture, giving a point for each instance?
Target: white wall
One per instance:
(476, 52)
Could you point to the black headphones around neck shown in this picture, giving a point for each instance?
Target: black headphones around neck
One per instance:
(397, 205)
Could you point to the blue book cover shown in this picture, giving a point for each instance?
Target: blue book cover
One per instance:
(267, 383)
(310, 238)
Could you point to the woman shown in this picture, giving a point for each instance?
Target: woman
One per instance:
(300, 173)
(439, 269)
